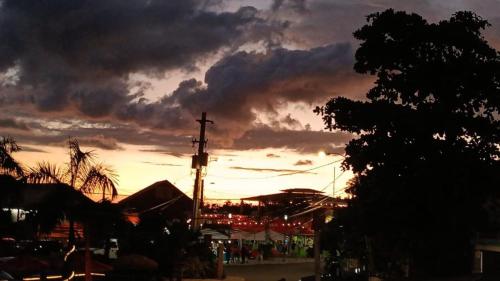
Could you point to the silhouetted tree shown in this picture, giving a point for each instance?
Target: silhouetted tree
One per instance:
(426, 152)
(81, 173)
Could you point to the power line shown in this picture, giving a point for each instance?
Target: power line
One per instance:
(275, 176)
(322, 197)
(336, 178)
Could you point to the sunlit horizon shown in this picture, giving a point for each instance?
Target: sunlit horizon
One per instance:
(230, 174)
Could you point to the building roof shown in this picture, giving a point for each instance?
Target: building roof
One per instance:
(161, 196)
(16, 194)
(287, 195)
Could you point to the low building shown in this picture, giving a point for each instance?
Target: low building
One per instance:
(161, 198)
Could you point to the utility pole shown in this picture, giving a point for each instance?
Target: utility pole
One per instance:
(199, 161)
(202, 194)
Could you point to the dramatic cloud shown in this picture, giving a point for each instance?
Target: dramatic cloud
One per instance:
(298, 6)
(301, 141)
(99, 135)
(303, 163)
(100, 141)
(13, 124)
(289, 122)
(240, 86)
(319, 22)
(77, 59)
(77, 55)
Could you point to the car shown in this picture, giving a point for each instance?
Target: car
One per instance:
(112, 246)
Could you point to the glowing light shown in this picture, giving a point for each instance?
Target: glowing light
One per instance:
(73, 248)
(71, 276)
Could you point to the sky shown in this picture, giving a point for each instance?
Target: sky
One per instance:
(128, 79)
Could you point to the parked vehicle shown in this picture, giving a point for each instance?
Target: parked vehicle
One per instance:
(110, 249)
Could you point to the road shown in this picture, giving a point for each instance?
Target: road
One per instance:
(271, 272)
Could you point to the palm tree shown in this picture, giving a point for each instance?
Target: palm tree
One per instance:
(81, 173)
(8, 165)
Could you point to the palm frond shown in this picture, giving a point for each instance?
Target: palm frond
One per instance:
(45, 173)
(80, 161)
(8, 164)
(78, 156)
(9, 145)
(100, 178)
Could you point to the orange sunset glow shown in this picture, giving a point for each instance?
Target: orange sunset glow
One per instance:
(250, 140)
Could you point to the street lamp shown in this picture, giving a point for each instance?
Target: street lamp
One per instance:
(230, 216)
(284, 233)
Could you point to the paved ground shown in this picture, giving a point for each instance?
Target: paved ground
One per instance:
(271, 272)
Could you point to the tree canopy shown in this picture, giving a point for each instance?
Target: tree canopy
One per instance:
(81, 173)
(426, 152)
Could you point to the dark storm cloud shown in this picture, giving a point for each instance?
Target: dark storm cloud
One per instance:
(77, 55)
(298, 6)
(13, 124)
(291, 122)
(303, 163)
(100, 135)
(326, 21)
(100, 141)
(301, 141)
(111, 137)
(61, 59)
(74, 59)
(241, 85)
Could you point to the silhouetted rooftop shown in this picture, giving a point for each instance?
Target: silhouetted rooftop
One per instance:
(161, 196)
